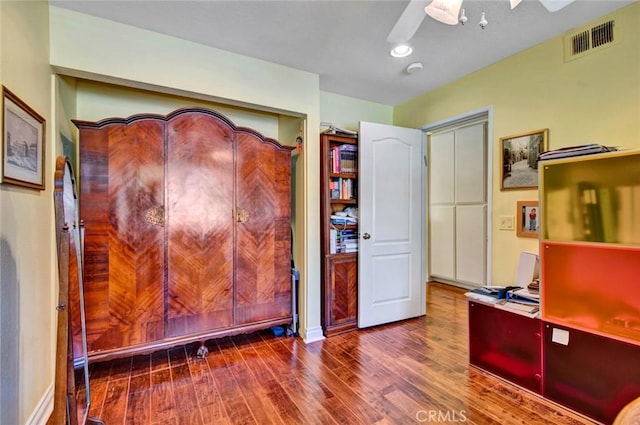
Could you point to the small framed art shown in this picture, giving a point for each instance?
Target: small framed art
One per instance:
(23, 134)
(528, 215)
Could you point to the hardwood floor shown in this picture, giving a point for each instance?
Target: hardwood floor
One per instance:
(415, 371)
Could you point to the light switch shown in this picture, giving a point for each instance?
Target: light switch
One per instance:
(506, 222)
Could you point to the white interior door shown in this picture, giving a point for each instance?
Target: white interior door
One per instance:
(391, 283)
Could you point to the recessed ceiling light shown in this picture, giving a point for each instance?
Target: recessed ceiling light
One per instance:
(401, 51)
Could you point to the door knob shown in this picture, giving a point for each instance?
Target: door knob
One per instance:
(366, 236)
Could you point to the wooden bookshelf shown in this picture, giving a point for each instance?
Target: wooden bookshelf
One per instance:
(339, 256)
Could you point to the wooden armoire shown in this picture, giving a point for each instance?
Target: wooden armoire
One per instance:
(188, 231)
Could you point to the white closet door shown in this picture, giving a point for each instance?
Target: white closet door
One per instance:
(457, 204)
(470, 244)
(441, 164)
(442, 241)
(470, 182)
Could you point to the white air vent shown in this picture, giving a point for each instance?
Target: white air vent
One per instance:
(586, 40)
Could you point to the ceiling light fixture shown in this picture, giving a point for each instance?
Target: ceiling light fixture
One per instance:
(401, 51)
(445, 11)
(448, 12)
(463, 18)
(483, 21)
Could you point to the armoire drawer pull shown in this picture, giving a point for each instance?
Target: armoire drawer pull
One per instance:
(243, 215)
(155, 216)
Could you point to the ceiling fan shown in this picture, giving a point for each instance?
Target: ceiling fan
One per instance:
(445, 11)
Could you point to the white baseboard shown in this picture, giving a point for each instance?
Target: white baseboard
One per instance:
(43, 410)
(313, 335)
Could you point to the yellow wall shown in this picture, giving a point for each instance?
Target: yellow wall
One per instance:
(592, 99)
(27, 252)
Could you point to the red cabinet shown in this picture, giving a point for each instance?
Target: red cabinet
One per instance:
(506, 344)
(590, 297)
(594, 375)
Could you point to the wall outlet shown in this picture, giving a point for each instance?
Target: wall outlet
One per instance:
(506, 222)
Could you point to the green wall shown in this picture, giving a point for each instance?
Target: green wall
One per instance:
(346, 112)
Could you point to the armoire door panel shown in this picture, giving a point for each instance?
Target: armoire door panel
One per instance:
(124, 253)
(263, 232)
(94, 185)
(199, 179)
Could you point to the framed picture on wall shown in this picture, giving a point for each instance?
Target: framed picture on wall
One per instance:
(23, 134)
(528, 215)
(520, 159)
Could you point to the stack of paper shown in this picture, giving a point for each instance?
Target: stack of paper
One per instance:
(575, 151)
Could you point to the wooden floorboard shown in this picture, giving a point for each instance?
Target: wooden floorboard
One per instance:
(414, 371)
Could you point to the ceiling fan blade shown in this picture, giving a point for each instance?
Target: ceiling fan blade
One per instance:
(514, 3)
(408, 23)
(555, 5)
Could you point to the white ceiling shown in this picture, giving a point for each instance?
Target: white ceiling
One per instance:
(344, 42)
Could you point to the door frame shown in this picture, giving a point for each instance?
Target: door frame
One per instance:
(450, 122)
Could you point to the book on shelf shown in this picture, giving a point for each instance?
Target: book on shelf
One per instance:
(346, 248)
(342, 241)
(628, 226)
(598, 216)
(342, 188)
(343, 159)
(608, 214)
(333, 241)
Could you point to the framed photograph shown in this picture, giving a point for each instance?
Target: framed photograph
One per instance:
(520, 159)
(528, 215)
(23, 133)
